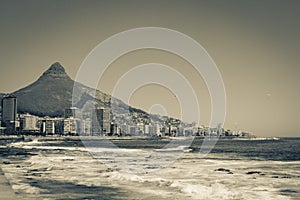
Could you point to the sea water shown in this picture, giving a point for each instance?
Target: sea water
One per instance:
(63, 168)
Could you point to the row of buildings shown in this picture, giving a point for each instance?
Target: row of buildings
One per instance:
(99, 121)
(12, 122)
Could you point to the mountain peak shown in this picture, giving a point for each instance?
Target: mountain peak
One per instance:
(56, 70)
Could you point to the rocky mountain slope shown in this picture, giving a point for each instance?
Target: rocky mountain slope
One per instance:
(52, 93)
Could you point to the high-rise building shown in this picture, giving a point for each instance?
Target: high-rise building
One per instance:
(106, 121)
(9, 112)
(101, 121)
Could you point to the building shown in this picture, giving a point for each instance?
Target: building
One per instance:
(9, 113)
(151, 129)
(50, 126)
(180, 131)
(28, 123)
(115, 129)
(132, 130)
(140, 128)
(101, 121)
(71, 112)
(86, 126)
(124, 129)
(106, 120)
(157, 129)
(146, 129)
(71, 123)
(71, 126)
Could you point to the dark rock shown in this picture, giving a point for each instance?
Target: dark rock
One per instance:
(223, 170)
(254, 172)
(21, 153)
(288, 191)
(6, 162)
(286, 176)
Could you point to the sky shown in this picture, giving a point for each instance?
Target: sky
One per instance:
(255, 45)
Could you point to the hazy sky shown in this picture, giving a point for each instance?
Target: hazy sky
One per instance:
(255, 44)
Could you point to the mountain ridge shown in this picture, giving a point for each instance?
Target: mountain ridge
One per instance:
(48, 95)
(52, 93)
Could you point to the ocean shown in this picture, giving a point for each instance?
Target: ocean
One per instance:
(143, 168)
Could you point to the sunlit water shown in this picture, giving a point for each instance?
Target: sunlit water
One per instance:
(64, 169)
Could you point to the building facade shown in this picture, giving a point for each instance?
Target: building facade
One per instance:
(9, 113)
(101, 121)
(28, 123)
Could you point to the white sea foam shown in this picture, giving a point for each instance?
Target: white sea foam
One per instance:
(215, 191)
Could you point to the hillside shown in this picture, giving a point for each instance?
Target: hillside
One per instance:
(51, 94)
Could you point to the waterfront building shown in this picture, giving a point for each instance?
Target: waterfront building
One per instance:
(151, 129)
(140, 128)
(9, 113)
(71, 126)
(167, 130)
(50, 126)
(28, 123)
(101, 121)
(158, 129)
(146, 129)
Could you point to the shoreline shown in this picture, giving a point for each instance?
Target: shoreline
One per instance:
(12, 137)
